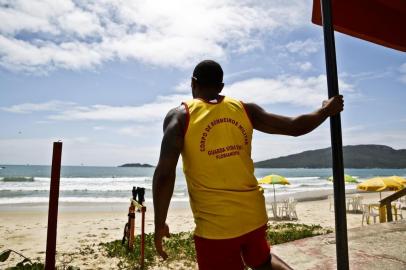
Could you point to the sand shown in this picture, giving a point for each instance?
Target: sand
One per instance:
(81, 227)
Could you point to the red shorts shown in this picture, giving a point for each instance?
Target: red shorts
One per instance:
(251, 249)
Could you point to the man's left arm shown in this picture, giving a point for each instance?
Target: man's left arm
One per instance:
(165, 174)
(293, 126)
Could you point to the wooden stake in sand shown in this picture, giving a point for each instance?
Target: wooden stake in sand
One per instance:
(135, 205)
(53, 206)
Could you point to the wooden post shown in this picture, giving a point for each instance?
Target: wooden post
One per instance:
(382, 214)
(132, 227)
(53, 206)
(143, 209)
(389, 212)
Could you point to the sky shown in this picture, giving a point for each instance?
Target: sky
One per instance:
(100, 75)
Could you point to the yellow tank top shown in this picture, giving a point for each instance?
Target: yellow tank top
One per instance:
(223, 191)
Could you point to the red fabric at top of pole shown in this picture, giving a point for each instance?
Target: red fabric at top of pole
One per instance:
(379, 21)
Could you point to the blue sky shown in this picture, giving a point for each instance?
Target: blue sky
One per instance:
(101, 75)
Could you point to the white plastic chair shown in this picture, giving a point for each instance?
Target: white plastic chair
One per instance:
(331, 201)
(283, 209)
(274, 209)
(288, 209)
(292, 210)
(350, 202)
(367, 212)
(356, 202)
(398, 213)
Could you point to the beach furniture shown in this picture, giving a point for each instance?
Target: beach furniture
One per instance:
(369, 210)
(354, 202)
(273, 207)
(273, 180)
(398, 179)
(380, 184)
(331, 201)
(283, 209)
(347, 179)
(288, 209)
(397, 210)
(402, 201)
(375, 210)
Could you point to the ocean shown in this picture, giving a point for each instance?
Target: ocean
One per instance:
(30, 183)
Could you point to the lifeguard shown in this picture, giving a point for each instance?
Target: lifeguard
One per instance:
(213, 133)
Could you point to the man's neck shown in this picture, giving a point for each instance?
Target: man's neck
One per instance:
(209, 97)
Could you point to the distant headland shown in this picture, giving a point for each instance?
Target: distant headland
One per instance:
(355, 156)
(138, 165)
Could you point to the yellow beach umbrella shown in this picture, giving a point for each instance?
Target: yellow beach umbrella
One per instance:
(347, 179)
(397, 179)
(380, 184)
(274, 179)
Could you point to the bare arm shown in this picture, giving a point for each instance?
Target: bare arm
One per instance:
(165, 172)
(293, 126)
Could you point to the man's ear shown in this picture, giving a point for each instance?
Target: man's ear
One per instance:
(221, 86)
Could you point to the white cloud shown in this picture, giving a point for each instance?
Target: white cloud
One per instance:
(303, 47)
(183, 86)
(97, 128)
(306, 66)
(38, 36)
(53, 105)
(149, 112)
(402, 70)
(310, 91)
(141, 130)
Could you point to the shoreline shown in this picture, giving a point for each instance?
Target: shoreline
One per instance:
(301, 196)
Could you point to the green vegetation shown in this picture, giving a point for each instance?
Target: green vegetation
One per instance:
(355, 156)
(28, 264)
(181, 251)
(286, 232)
(25, 264)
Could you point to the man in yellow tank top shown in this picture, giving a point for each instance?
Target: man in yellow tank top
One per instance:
(213, 134)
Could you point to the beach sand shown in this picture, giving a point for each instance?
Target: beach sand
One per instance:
(81, 227)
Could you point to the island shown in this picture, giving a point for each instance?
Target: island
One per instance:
(355, 156)
(137, 165)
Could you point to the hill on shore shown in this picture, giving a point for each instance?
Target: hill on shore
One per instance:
(137, 165)
(355, 156)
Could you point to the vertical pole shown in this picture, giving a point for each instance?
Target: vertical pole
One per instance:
(336, 140)
(53, 206)
(143, 209)
(389, 212)
(131, 227)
